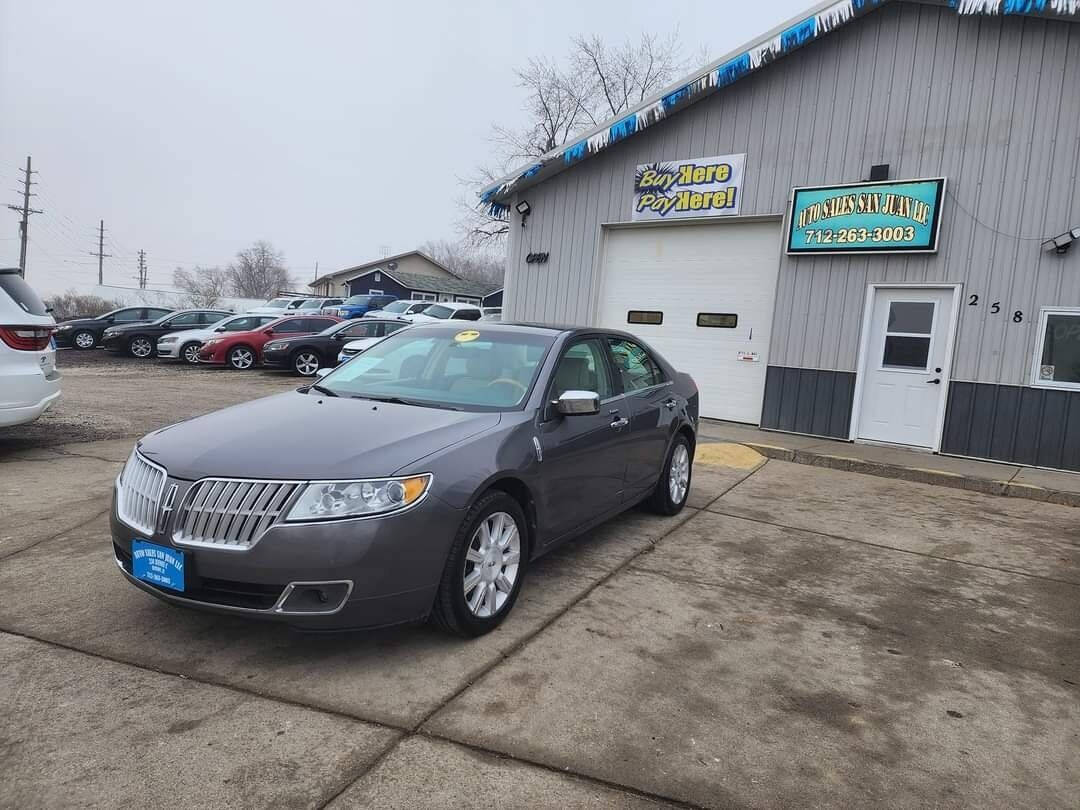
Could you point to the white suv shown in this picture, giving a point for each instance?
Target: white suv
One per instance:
(446, 311)
(29, 381)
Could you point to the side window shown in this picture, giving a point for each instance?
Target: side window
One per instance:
(153, 313)
(129, 315)
(634, 366)
(362, 330)
(291, 327)
(390, 328)
(186, 319)
(207, 318)
(468, 315)
(582, 368)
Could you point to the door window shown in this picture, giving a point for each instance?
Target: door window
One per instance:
(718, 320)
(130, 315)
(635, 367)
(153, 313)
(907, 335)
(582, 368)
(292, 327)
(645, 316)
(1057, 362)
(186, 319)
(362, 330)
(390, 328)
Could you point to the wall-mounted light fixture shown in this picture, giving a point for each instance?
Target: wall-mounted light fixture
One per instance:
(524, 209)
(1061, 243)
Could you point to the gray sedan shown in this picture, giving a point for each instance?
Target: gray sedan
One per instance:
(418, 480)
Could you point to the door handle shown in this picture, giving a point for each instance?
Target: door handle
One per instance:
(670, 404)
(934, 382)
(619, 421)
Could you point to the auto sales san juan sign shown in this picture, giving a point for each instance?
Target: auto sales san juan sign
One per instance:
(885, 217)
(701, 187)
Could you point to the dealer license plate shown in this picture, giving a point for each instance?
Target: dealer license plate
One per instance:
(158, 565)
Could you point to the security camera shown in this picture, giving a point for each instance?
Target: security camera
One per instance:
(1060, 244)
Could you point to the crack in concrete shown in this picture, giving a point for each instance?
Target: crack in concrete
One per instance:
(74, 528)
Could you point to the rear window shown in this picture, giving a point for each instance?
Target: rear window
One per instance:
(22, 294)
(359, 300)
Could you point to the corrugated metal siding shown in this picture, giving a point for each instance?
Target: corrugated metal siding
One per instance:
(990, 102)
(1037, 426)
(806, 400)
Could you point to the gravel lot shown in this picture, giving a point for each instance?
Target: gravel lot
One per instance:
(795, 637)
(110, 396)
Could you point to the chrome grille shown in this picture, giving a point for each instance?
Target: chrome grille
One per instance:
(139, 492)
(230, 512)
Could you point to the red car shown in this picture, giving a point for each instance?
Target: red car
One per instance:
(242, 350)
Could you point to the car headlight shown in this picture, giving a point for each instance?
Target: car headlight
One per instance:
(274, 346)
(63, 328)
(212, 342)
(108, 333)
(167, 340)
(328, 500)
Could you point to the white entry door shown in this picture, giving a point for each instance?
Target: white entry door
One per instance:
(905, 366)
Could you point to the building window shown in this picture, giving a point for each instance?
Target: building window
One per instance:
(374, 292)
(1057, 352)
(717, 320)
(419, 296)
(378, 277)
(650, 317)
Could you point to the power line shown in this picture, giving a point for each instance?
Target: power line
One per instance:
(26, 211)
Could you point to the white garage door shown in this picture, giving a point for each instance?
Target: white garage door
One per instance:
(714, 286)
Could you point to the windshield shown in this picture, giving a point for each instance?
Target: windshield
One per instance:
(439, 311)
(445, 368)
(358, 300)
(397, 306)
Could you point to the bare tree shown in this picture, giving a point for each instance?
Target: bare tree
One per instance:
(202, 286)
(467, 261)
(258, 272)
(72, 304)
(596, 81)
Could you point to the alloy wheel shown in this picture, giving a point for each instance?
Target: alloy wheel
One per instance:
(84, 340)
(679, 474)
(190, 353)
(141, 347)
(306, 363)
(491, 564)
(241, 358)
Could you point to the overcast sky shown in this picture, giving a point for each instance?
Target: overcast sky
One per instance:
(331, 129)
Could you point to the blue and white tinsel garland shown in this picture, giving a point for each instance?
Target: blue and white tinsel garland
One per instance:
(757, 56)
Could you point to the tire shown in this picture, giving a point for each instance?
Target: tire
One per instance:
(673, 488)
(189, 353)
(306, 362)
(84, 339)
(141, 347)
(488, 567)
(240, 358)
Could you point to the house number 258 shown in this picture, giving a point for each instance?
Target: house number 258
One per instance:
(995, 308)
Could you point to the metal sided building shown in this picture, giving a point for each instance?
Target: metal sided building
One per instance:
(858, 226)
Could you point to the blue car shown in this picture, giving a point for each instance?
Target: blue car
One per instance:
(357, 305)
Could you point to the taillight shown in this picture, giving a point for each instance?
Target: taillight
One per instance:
(26, 338)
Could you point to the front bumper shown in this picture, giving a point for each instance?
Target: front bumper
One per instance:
(114, 343)
(212, 355)
(276, 359)
(168, 351)
(63, 339)
(392, 564)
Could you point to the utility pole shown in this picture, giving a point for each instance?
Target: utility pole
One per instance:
(101, 254)
(26, 211)
(142, 270)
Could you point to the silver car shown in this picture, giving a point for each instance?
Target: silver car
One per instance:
(418, 480)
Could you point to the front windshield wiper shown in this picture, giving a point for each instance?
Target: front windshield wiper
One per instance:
(321, 390)
(403, 401)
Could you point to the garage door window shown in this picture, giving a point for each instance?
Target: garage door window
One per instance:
(650, 317)
(634, 366)
(718, 320)
(1057, 360)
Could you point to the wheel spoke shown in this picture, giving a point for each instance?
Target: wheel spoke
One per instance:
(472, 555)
(497, 522)
(503, 584)
(471, 580)
(476, 598)
(508, 536)
(511, 558)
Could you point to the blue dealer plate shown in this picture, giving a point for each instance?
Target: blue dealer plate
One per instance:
(158, 565)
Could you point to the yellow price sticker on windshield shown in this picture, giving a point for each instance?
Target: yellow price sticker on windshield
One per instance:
(466, 336)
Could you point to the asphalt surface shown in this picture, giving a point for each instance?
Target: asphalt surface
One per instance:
(796, 637)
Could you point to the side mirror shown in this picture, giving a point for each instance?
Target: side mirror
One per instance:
(578, 403)
(322, 372)
(270, 332)
(220, 329)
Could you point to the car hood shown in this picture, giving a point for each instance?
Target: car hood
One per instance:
(362, 343)
(83, 322)
(120, 328)
(305, 437)
(190, 334)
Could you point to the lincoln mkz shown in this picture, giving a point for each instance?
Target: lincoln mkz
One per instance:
(418, 480)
